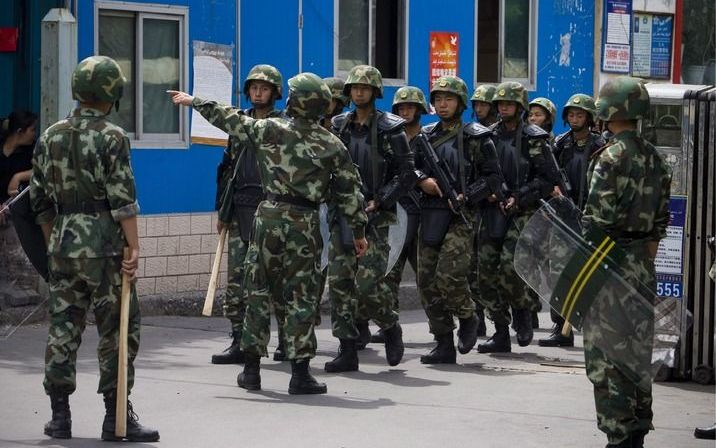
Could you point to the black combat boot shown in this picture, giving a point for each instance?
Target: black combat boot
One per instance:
(535, 320)
(443, 353)
(346, 360)
(523, 326)
(280, 353)
(363, 334)
(378, 337)
(467, 334)
(481, 327)
(135, 431)
(394, 347)
(302, 382)
(637, 439)
(626, 443)
(60, 427)
(707, 433)
(498, 342)
(233, 354)
(250, 378)
(556, 339)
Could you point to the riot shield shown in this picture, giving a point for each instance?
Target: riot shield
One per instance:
(28, 232)
(325, 233)
(591, 281)
(396, 237)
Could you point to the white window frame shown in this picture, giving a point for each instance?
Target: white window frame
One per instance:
(371, 42)
(180, 14)
(530, 82)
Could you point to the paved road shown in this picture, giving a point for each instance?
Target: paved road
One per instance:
(534, 397)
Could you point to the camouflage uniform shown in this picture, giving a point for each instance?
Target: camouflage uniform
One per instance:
(297, 159)
(523, 154)
(238, 195)
(339, 100)
(83, 185)
(356, 286)
(629, 188)
(551, 109)
(410, 202)
(573, 157)
(443, 261)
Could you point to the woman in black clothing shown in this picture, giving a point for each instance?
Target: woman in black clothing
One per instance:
(17, 136)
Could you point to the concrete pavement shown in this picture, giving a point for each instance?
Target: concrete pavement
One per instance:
(534, 397)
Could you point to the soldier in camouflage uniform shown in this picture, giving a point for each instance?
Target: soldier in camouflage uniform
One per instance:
(298, 159)
(238, 194)
(379, 147)
(524, 152)
(483, 110)
(82, 190)
(629, 188)
(409, 104)
(573, 151)
(339, 100)
(443, 261)
(542, 113)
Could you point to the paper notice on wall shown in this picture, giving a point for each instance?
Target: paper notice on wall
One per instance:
(616, 43)
(443, 54)
(213, 78)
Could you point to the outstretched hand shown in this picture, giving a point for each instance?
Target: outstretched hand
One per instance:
(182, 98)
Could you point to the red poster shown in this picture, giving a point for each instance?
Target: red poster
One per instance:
(8, 39)
(443, 54)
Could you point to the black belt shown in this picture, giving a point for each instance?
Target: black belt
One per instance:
(86, 207)
(293, 200)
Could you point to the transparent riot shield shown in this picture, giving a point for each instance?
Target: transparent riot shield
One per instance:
(594, 284)
(396, 237)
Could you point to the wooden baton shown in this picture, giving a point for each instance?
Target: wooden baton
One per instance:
(120, 428)
(213, 279)
(566, 329)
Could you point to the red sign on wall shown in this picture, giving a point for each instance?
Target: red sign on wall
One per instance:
(8, 39)
(443, 54)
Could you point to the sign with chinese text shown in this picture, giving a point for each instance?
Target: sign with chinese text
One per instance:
(669, 262)
(616, 43)
(443, 54)
(651, 54)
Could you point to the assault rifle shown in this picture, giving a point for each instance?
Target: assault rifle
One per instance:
(444, 175)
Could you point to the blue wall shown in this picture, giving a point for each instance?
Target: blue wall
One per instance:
(177, 180)
(183, 180)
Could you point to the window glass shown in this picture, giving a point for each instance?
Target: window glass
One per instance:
(517, 28)
(488, 41)
(160, 72)
(353, 29)
(117, 40)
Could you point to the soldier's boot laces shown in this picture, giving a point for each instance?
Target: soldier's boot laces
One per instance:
(135, 431)
(302, 382)
(498, 342)
(556, 339)
(467, 334)
(394, 347)
(481, 327)
(443, 353)
(250, 378)
(60, 427)
(378, 337)
(523, 326)
(233, 354)
(280, 353)
(363, 334)
(346, 360)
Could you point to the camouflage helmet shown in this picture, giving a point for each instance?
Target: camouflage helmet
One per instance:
(308, 96)
(364, 74)
(483, 93)
(450, 84)
(547, 105)
(511, 91)
(622, 98)
(411, 95)
(98, 78)
(267, 73)
(580, 101)
(336, 86)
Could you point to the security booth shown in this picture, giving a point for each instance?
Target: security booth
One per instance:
(682, 125)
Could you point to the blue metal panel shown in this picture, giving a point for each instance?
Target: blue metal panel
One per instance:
(174, 181)
(565, 28)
